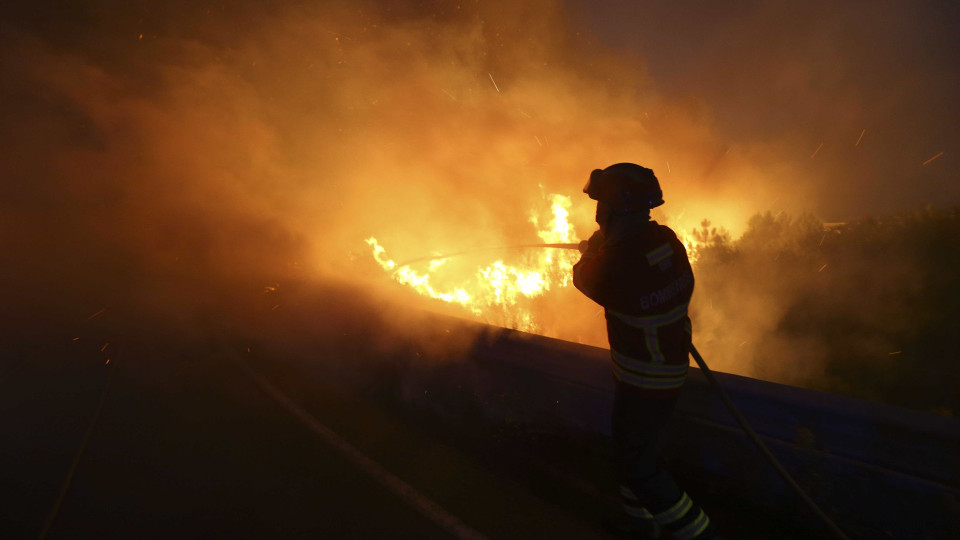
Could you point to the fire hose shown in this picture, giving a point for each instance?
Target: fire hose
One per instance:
(478, 250)
(737, 415)
(763, 447)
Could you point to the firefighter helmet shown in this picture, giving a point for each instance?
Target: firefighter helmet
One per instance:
(626, 187)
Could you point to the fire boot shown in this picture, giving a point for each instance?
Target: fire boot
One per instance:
(683, 518)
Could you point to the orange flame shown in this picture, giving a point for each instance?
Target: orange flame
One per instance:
(501, 293)
(498, 288)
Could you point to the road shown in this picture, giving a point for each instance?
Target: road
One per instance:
(299, 416)
(155, 438)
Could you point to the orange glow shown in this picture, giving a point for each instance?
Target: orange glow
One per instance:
(490, 291)
(691, 245)
(501, 293)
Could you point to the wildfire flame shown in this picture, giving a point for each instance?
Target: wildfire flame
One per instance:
(501, 293)
(691, 245)
(498, 290)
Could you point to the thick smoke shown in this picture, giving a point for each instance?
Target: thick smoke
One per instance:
(176, 158)
(165, 155)
(873, 83)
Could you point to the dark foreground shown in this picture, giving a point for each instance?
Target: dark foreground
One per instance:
(180, 437)
(187, 445)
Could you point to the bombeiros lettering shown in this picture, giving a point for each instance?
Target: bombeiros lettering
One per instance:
(667, 293)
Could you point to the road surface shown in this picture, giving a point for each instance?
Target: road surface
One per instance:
(184, 440)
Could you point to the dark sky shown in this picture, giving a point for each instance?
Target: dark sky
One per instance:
(797, 74)
(776, 79)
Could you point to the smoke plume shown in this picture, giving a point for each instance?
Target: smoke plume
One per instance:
(175, 157)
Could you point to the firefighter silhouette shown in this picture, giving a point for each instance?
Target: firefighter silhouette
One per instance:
(638, 271)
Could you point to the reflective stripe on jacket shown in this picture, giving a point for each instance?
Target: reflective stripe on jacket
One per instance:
(644, 282)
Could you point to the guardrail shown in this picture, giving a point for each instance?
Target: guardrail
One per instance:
(880, 471)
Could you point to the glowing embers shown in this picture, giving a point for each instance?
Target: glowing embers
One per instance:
(691, 244)
(498, 293)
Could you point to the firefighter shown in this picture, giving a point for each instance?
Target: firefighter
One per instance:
(638, 271)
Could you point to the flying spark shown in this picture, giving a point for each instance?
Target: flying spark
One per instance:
(816, 151)
(494, 82)
(933, 158)
(96, 314)
(860, 138)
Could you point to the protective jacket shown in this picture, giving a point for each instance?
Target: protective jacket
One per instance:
(643, 280)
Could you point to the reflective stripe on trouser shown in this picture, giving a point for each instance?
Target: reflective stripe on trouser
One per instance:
(648, 375)
(655, 321)
(637, 423)
(654, 374)
(685, 519)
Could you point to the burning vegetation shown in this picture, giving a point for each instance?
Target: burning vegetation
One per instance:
(170, 159)
(498, 292)
(850, 308)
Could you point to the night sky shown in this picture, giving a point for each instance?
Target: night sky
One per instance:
(793, 75)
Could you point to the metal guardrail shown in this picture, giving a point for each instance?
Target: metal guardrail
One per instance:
(877, 469)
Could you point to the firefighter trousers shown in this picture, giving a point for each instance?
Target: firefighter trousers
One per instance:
(647, 491)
